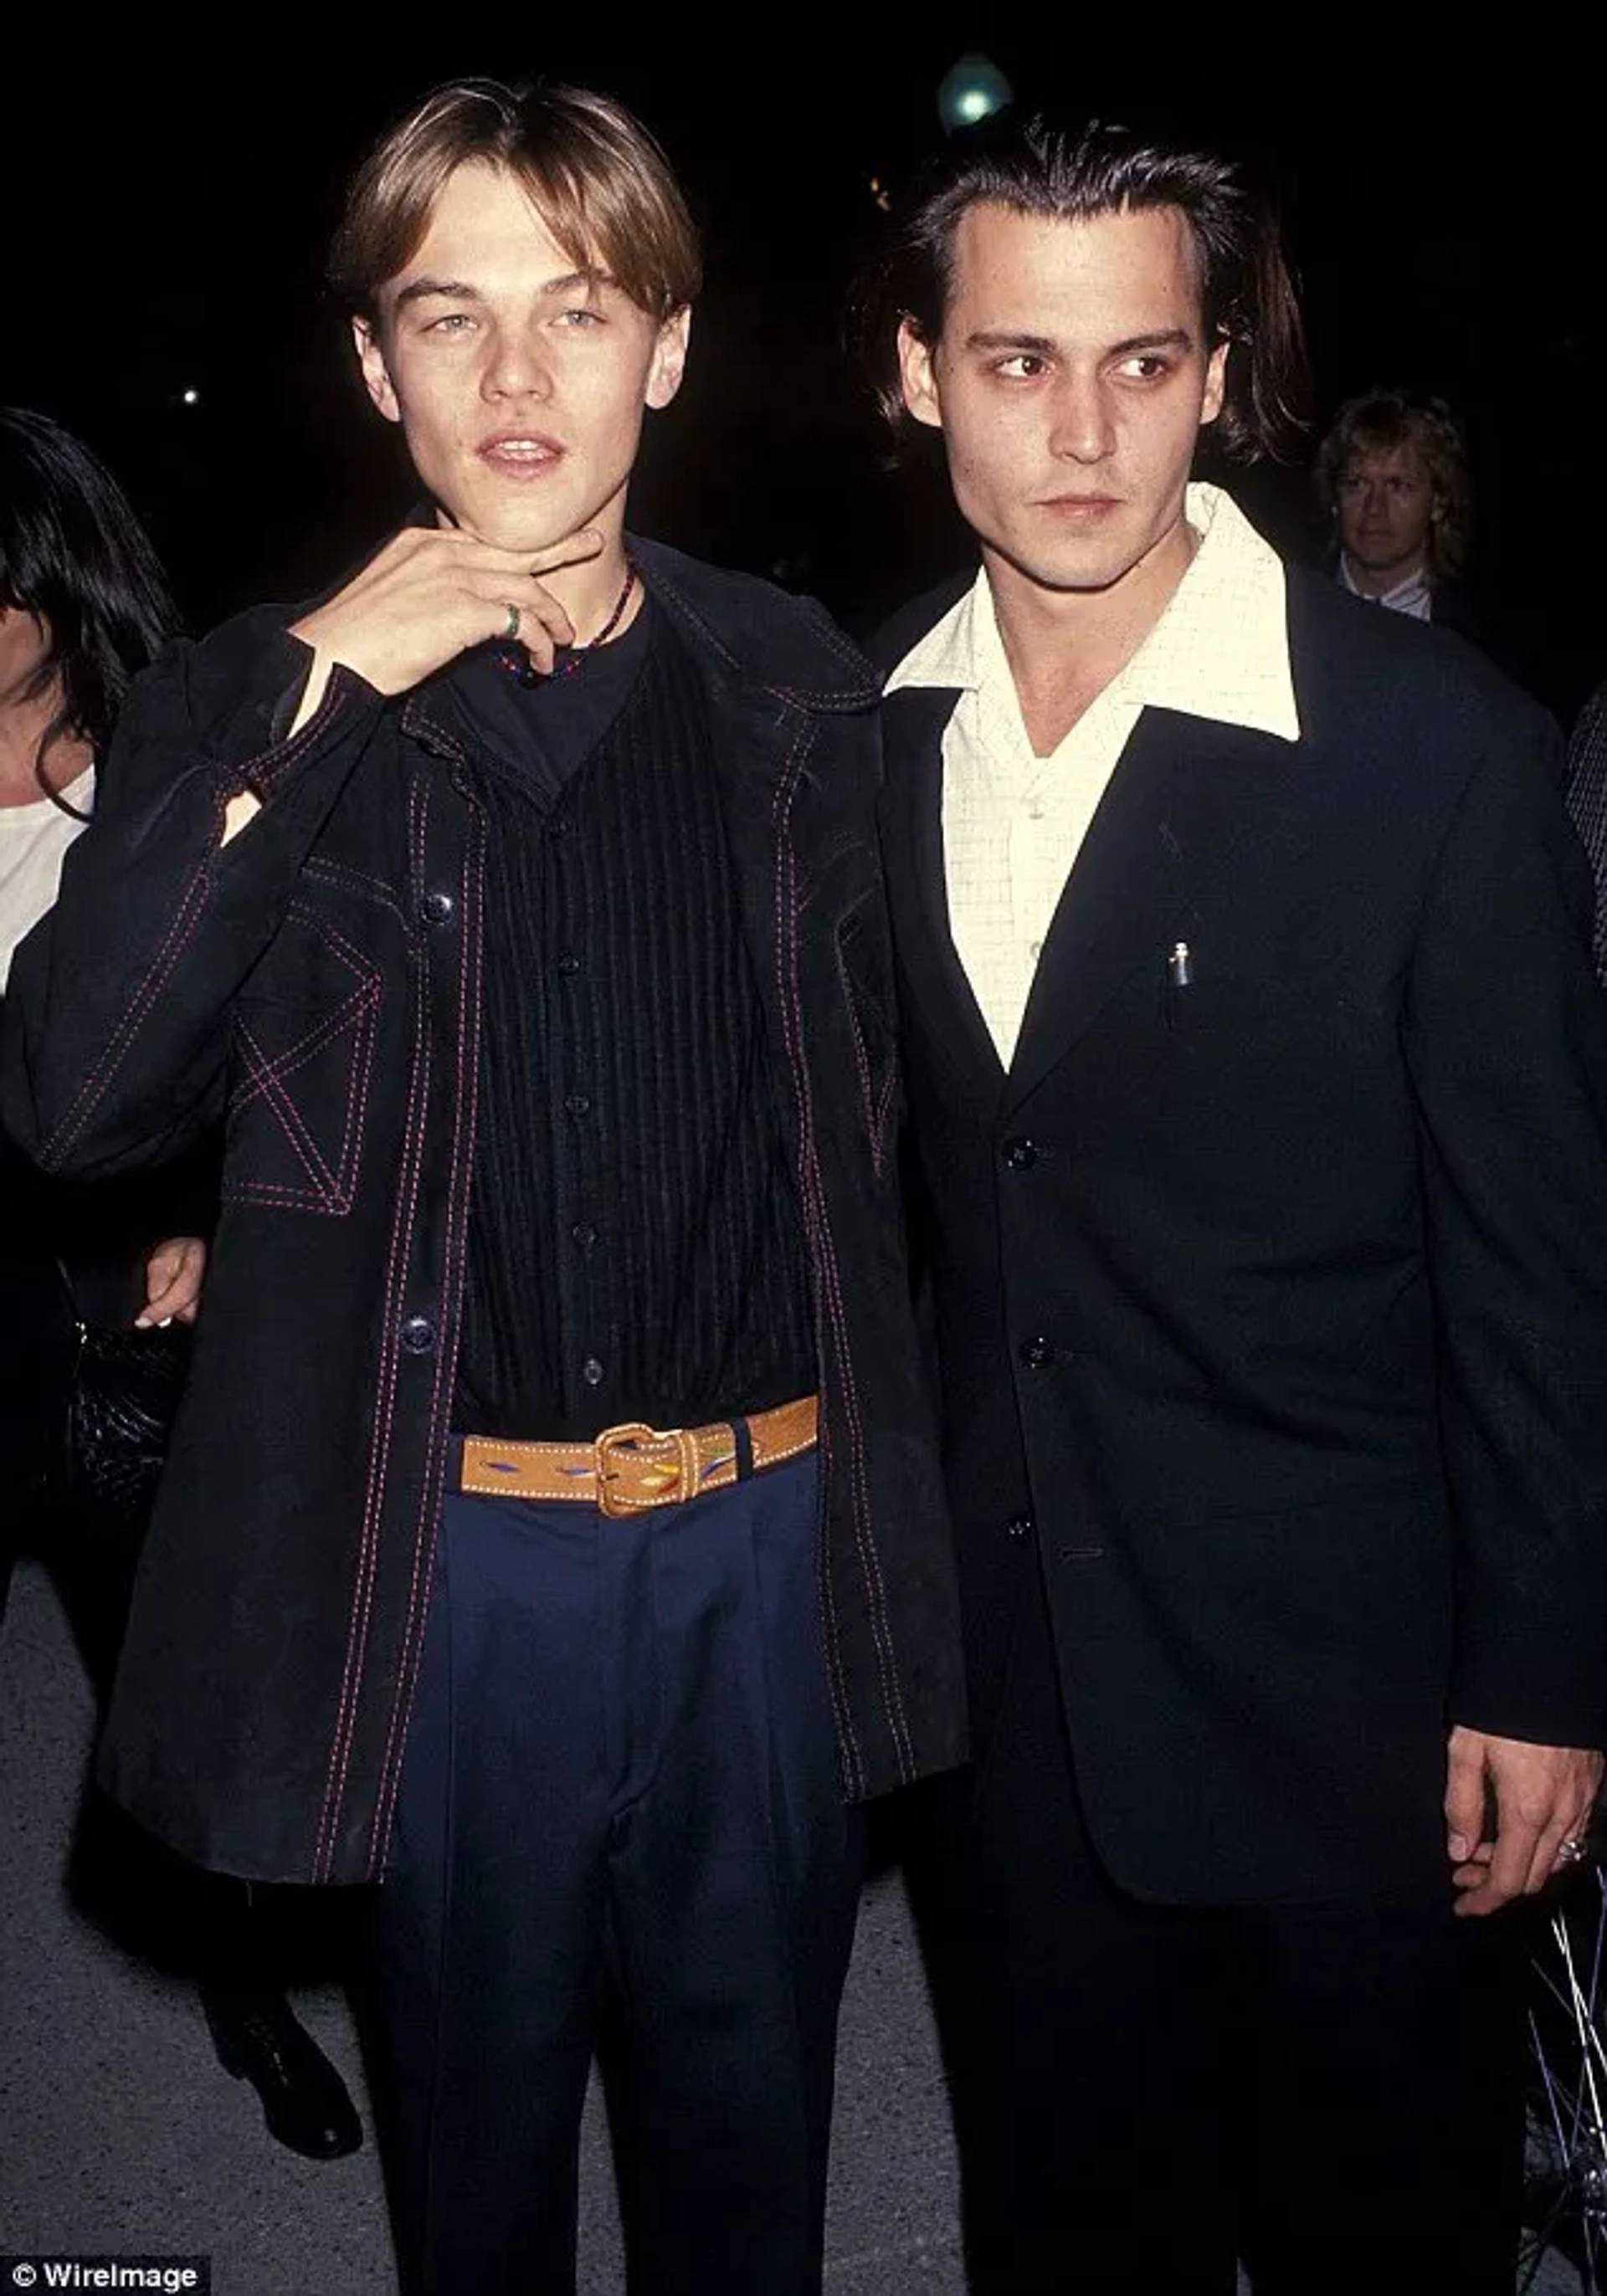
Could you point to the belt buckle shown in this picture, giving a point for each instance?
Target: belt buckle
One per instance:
(654, 1482)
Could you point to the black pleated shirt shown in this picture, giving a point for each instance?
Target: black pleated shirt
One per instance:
(635, 1248)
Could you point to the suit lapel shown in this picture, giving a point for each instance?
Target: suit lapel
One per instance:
(913, 720)
(1183, 795)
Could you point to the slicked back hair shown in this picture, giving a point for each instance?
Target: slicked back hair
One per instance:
(1036, 166)
(74, 556)
(595, 175)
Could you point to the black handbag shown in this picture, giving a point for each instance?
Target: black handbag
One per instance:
(126, 1386)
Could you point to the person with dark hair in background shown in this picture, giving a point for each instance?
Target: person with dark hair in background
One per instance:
(1259, 1145)
(1392, 476)
(84, 607)
(554, 1530)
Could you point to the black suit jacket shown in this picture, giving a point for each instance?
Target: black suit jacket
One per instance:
(1277, 1301)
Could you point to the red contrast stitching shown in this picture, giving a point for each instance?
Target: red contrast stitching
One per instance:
(427, 1530)
(186, 917)
(406, 1199)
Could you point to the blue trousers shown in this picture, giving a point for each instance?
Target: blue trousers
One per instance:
(619, 1834)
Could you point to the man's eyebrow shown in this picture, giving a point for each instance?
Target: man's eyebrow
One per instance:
(1006, 339)
(587, 279)
(591, 276)
(1166, 339)
(455, 290)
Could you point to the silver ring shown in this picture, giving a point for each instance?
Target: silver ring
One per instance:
(1572, 1851)
(512, 631)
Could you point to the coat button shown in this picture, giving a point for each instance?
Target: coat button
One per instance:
(437, 907)
(418, 1336)
(568, 961)
(1037, 1354)
(1020, 1527)
(1020, 1155)
(591, 1372)
(576, 1102)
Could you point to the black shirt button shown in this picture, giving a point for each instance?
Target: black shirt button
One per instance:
(569, 961)
(591, 1372)
(1020, 1155)
(584, 1234)
(577, 1104)
(1021, 1526)
(1037, 1354)
(418, 1336)
(437, 907)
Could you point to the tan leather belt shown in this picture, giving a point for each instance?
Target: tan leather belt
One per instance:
(632, 1467)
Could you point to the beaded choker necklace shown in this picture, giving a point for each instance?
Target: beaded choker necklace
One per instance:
(519, 664)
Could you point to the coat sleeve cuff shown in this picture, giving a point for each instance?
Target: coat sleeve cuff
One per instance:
(252, 746)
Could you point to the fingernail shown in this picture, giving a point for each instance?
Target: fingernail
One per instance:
(1458, 1846)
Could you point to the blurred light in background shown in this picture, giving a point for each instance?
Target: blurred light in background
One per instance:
(970, 91)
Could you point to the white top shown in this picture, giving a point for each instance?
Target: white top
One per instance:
(1413, 596)
(1013, 824)
(33, 840)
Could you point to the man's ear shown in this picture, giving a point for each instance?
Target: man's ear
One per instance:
(918, 376)
(377, 374)
(668, 357)
(1216, 383)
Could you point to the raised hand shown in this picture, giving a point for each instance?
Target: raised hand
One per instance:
(429, 595)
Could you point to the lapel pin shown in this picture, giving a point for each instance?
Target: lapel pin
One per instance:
(1179, 965)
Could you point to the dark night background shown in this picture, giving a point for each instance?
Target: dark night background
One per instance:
(166, 208)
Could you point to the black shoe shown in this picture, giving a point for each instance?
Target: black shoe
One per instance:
(304, 2100)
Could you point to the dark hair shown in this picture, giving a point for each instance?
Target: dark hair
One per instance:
(73, 555)
(1379, 422)
(599, 182)
(1036, 166)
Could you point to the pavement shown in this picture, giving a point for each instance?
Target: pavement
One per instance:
(120, 2135)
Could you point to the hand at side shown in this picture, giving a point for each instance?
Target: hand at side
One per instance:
(1534, 1797)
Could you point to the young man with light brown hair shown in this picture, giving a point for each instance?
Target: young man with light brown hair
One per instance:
(553, 1529)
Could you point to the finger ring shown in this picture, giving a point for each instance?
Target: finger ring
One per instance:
(1572, 1851)
(512, 631)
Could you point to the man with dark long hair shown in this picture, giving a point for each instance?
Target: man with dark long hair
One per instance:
(554, 1531)
(1258, 1103)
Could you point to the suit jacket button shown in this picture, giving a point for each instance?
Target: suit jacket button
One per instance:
(418, 1336)
(1037, 1354)
(1020, 1155)
(1020, 1527)
(437, 907)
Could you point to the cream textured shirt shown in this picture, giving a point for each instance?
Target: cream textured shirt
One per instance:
(1012, 823)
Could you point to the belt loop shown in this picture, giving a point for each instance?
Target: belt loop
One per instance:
(741, 1436)
(690, 1464)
